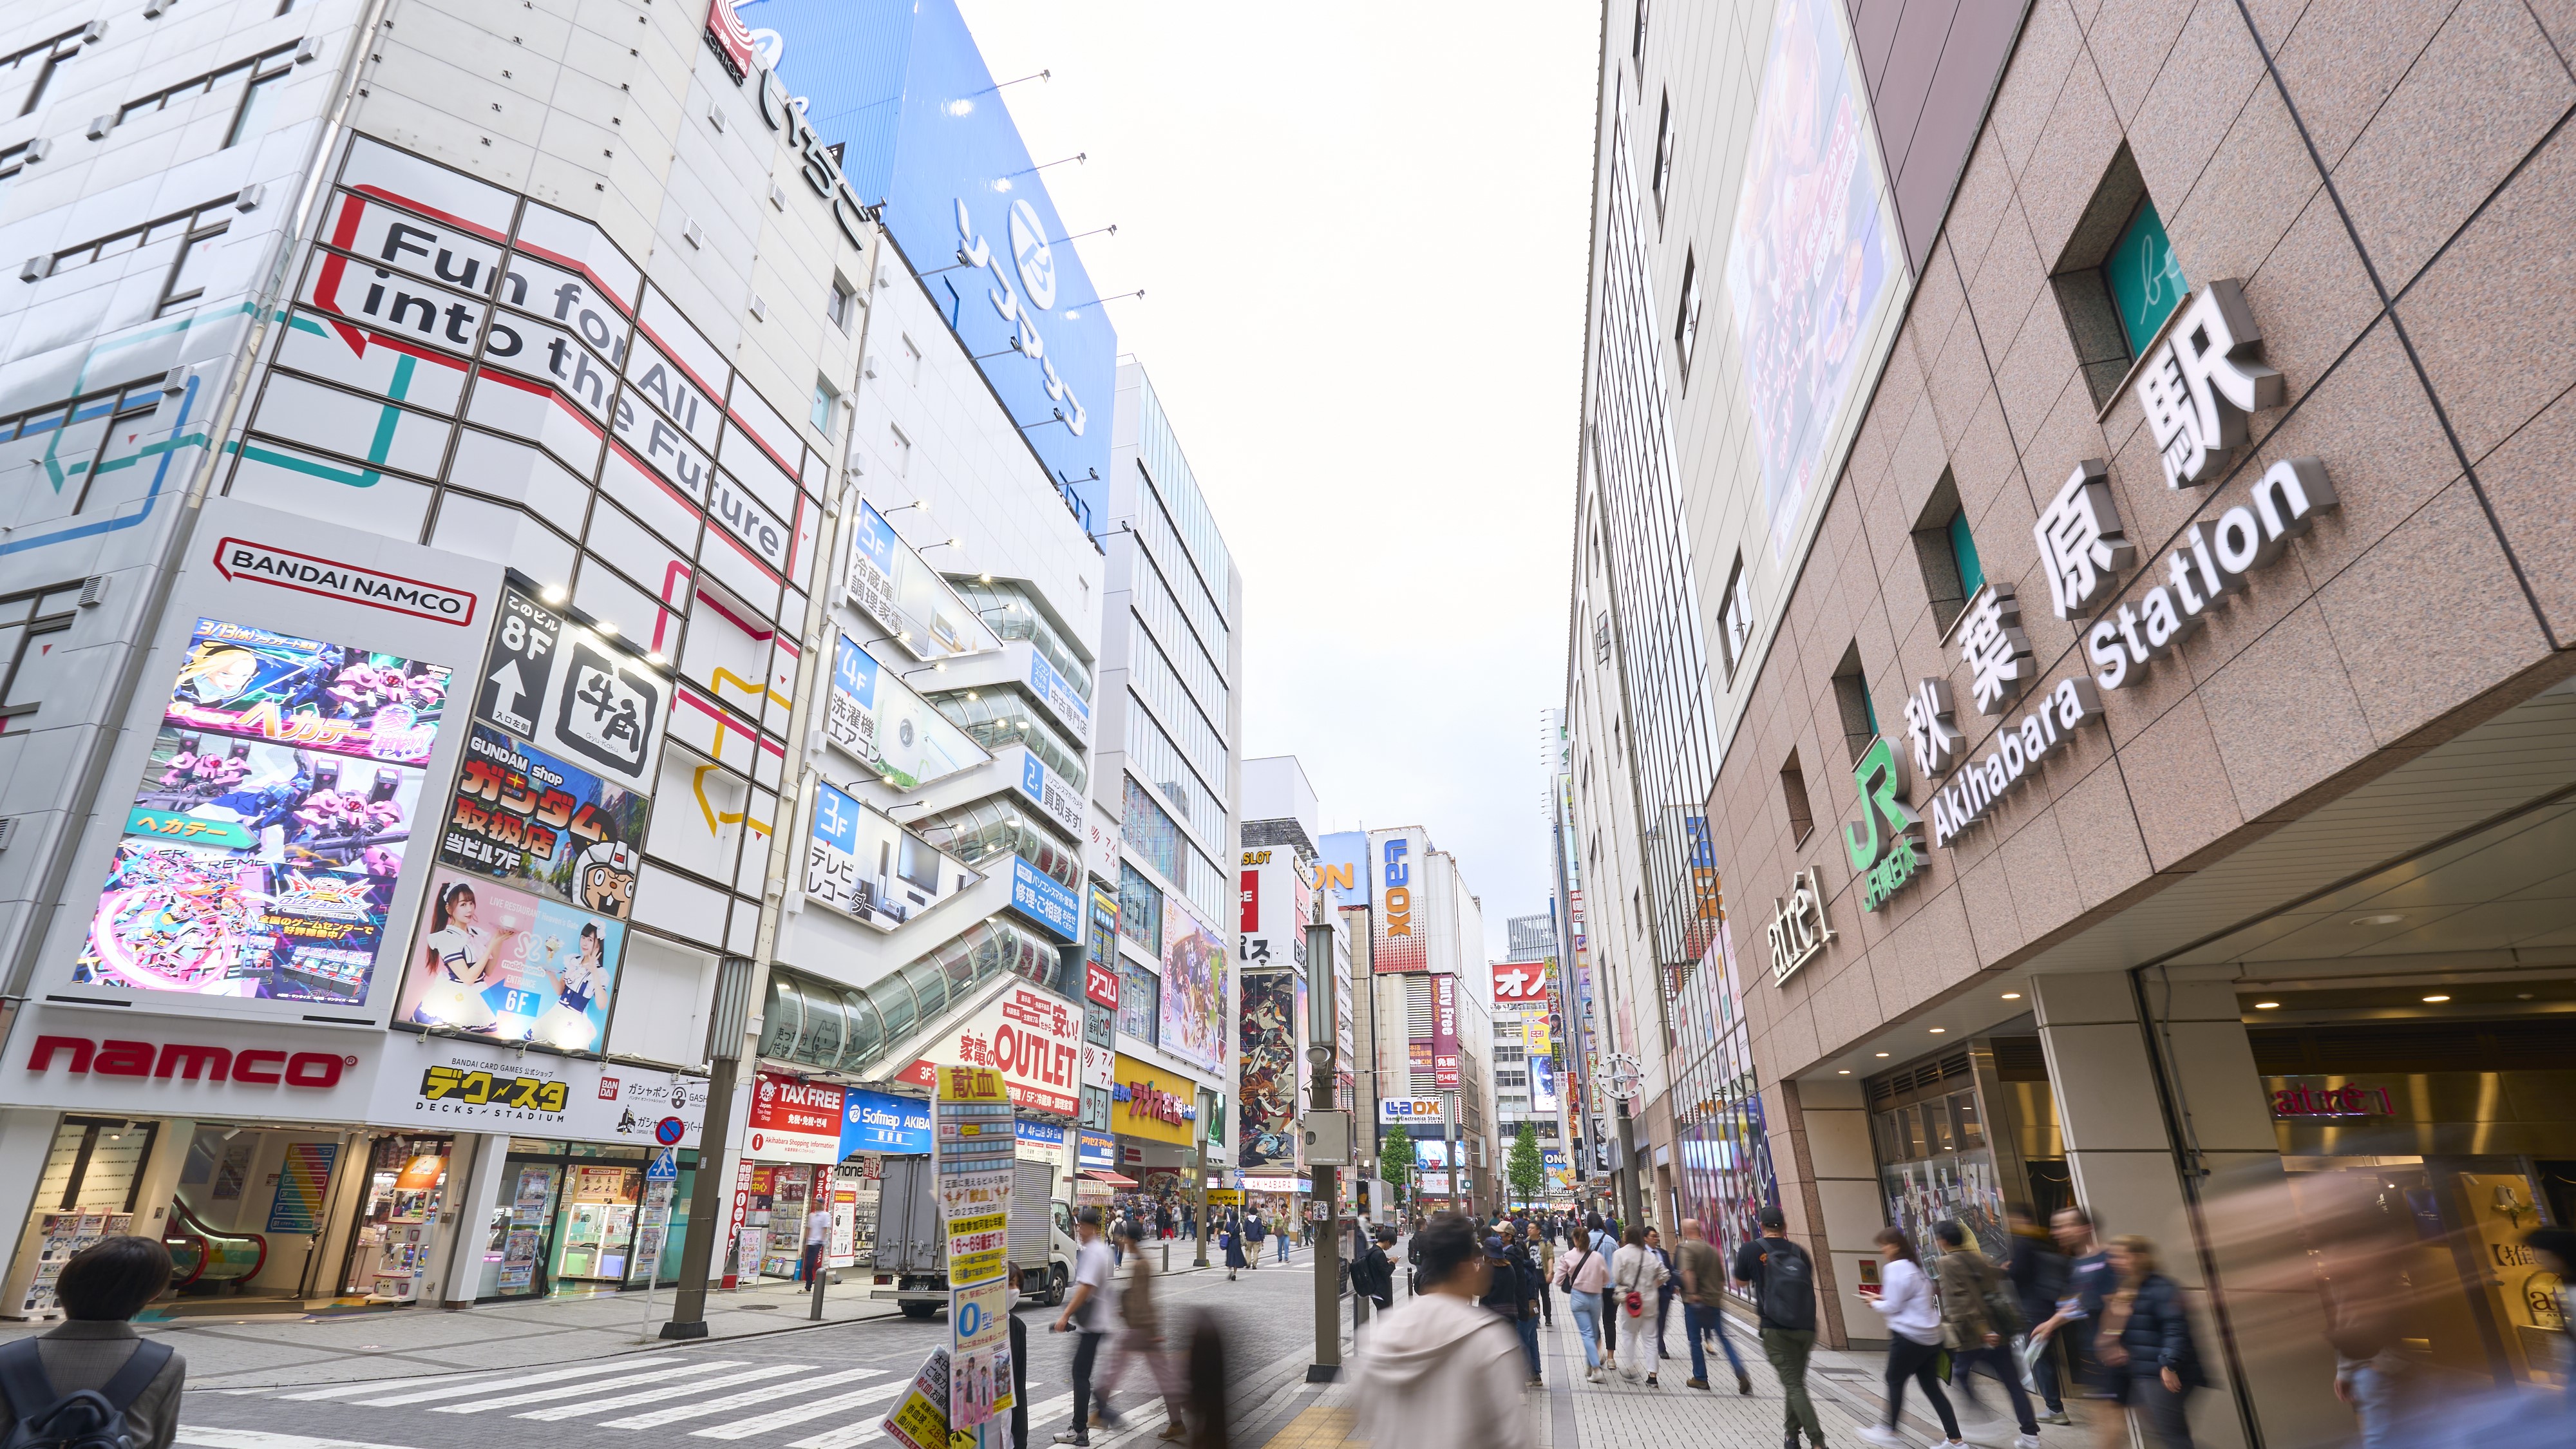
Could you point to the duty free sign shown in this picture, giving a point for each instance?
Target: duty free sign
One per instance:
(2197, 387)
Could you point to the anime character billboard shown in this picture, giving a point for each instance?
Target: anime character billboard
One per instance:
(262, 845)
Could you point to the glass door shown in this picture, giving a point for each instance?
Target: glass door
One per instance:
(598, 1222)
(521, 1224)
(389, 1255)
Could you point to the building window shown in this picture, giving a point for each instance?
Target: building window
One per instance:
(1637, 37)
(1663, 151)
(825, 398)
(1945, 551)
(32, 68)
(2145, 281)
(1140, 996)
(898, 451)
(1735, 619)
(32, 626)
(1601, 639)
(1851, 698)
(1140, 909)
(911, 362)
(188, 273)
(1686, 327)
(267, 77)
(1793, 794)
(843, 308)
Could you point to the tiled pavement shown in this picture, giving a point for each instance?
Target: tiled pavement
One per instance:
(1573, 1414)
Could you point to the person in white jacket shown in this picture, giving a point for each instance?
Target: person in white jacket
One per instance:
(1639, 1270)
(1442, 1371)
(1904, 1298)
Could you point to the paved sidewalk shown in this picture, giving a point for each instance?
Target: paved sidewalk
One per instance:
(265, 1349)
(1570, 1413)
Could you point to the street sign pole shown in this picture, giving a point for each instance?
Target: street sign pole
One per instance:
(1323, 1031)
(661, 1181)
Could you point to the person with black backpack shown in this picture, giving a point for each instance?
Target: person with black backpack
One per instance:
(93, 1383)
(1783, 1280)
(1979, 1318)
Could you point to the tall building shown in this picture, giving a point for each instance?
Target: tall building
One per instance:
(1170, 772)
(1427, 1041)
(2188, 862)
(1280, 878)
(542, 640)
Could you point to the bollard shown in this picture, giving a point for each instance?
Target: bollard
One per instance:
(822, 1271)
(1167, 1255)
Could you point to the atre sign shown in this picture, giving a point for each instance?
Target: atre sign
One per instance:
(1797, 932)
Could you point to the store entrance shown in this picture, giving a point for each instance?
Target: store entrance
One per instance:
(571, 1220)
(406, 1186)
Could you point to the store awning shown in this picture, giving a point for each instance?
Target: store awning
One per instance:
(1108, 1178)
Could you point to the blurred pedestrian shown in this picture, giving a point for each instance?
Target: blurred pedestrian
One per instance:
(1232, 1237)
(1783, 1280)
(2089, 1281)
(1282, 1235)
(1139, 1337)
(1903, 1296)
(1087, 1313)
(1605, 1241)
(2146, 1338)
(1211, 1418)
(1584, 1272)
(1512, 1294)
(1442, 1372)
(1702, 1271)
(1542, 1253)
(1672, 1286)
(92, 1379)
(2038, 1273)
(1019, 1337)
(1978, 1320)
(1636, 1285)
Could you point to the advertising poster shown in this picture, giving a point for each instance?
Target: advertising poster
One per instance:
(1048, 791)
(1812, 258)
(508, 964)
(1395, 860)
(1194, 987)
(1520, 984)
(1032, 1039)
(1268, 1090)
(1542, 1081)
(879, 1122)
(272, 821)
(545, 826)
(301, 1181)
(890, 584)
(875, 717)
(861, 863)
(1056, 693)
(976, 1142)
(920, 1417)
(1342, 868)
(1046, 902)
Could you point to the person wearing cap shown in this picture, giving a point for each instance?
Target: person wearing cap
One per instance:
(1513, 1294)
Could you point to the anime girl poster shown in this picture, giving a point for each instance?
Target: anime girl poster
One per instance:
(510, 965)
(1194, 987)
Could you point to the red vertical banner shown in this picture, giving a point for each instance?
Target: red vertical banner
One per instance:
(1251, 922)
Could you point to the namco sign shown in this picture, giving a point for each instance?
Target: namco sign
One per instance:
(257, 1066)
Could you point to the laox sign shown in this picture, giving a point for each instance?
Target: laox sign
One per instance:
(259, 1066)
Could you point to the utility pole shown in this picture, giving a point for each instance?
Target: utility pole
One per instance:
(711, 1197)
(1322, 1031)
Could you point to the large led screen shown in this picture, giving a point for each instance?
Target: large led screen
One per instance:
(1194, 970)
(275, 813)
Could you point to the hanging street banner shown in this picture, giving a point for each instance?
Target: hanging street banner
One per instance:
(974, 1143)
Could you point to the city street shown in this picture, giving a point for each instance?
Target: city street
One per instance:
(824, 1387)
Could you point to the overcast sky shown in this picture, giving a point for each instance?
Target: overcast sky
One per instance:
(1360, 228)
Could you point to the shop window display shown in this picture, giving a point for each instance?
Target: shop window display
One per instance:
(390, 1258)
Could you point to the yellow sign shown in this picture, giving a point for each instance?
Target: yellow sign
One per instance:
(972, 1084)
(1153, 1103)
(1225, 1197)
(1256, 857)
(1534, 1031)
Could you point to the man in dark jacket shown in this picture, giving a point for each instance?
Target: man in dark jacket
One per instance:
(1513, 1294)
(103, 1286)
(2038, 1275)
(1373, 1276)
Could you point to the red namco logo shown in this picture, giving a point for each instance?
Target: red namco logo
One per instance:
(260, 1066)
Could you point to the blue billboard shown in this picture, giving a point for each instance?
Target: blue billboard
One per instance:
(900, 86)
(877, 1122)
(1340, 868)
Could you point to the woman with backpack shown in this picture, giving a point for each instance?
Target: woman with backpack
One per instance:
(1583, 1272)
(1978, 1321)
(1637, 1277)
(1904, 1297)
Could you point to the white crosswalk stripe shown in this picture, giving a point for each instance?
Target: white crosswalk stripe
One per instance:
(451, 1389)
(369, 1386)
(659, 1374)
(782, 1418)
(659, 1417)
(668, 1391)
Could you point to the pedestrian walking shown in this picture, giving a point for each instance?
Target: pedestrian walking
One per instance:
(1019, 1340)
(1373, 1275)
(1139, 1338)
(1979, 1319)
(1232, 1236)
(1584, 1272)
(1282, 1235)
(2145, 1337)
(1253, 1230)
(92, 1378)
(2038, 1273)
(1604, 1239)
(1542, 1253)
(1086, 1312)
(1636, 1284)
(1903, 1296)
(1512, 1296)
(2089, 1282)
(1672, 1286)
(818, 1238)
(1442, 1372)
(1702, 1271)
(1783, 1280)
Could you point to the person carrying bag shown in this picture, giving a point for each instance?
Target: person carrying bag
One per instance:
(1637, 1278)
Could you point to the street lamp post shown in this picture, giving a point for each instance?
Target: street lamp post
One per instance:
(1322, 1031)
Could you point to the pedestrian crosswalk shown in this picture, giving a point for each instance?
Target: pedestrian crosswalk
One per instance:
(753, 1403)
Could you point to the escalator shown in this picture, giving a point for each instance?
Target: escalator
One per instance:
(205, 1261)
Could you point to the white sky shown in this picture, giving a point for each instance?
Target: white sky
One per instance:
(1361, 230)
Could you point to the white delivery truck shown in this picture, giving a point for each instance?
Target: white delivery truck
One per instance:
(911, 1257)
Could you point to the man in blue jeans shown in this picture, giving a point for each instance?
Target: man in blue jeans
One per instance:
(1703, 1275)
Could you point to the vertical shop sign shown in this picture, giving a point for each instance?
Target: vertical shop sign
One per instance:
(1444, 1032)
(974, 1145)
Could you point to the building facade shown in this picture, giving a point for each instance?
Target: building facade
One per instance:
(2133, 555)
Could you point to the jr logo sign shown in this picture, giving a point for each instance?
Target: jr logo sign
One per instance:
(1883, 845)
